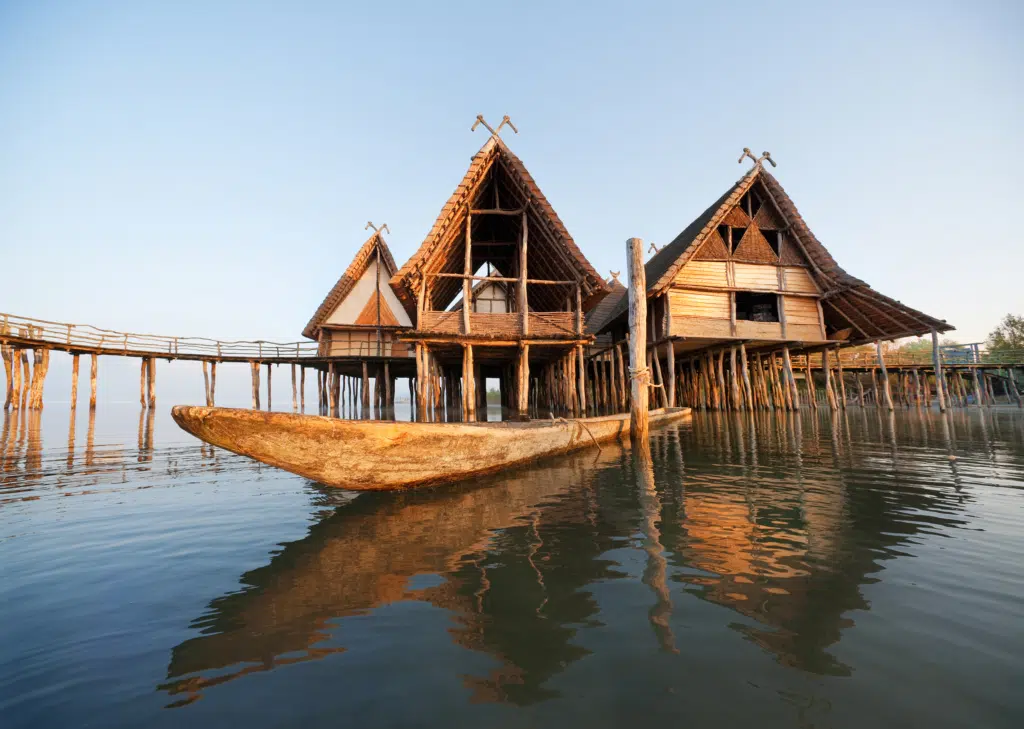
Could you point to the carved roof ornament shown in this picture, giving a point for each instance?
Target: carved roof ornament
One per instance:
(615, 276)
(758, 161)
(376, 229)
(494, 132)
(653, 247)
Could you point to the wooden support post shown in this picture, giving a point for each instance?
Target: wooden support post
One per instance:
(420, 374)
(254, 371)
(389, 387)
(830, 393)
(662, 398)
(734, 382)
(206, 383)
(302, 388)
(937, 362)
(74, 381)
(860, 389)
(787, 364)
(812, 390)
(523, 380)
(723, 400)
(16, 378)
(918, 395)
(468, 384)
(40, 367)
(143, 371)
(5, 354)
(885, 376)
(26, 379)
(670, 353)
(842, 380)
(523, 303)
(874, 389)
(213, 383)
(748, 389)
(94, 366)
(295, 391)
(639, 375)
(151, 381)
(365, 389)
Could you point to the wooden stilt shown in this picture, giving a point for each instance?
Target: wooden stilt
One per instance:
(469, 383)
(26, 379)
(5, 354)
(885, 376)
(581, 373)
(143, 372)
(670, 362)
(74, 381)
(151, 382)
(860, 389)
(206, 383)
(787, 364)
(94, 366)
(639, 375)
(295, 391)
(842, 381)
(734, 380)
(829, 391)
(302, 388)
(16, 379)
(389, 384)
(748, 389)
(254, 370)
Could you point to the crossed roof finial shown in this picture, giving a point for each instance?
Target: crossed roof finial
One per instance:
(376, 229)
(494, 132)
(757, 160)
(615, 275)
(653, 247)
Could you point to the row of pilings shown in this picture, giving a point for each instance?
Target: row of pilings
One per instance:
(730, 378)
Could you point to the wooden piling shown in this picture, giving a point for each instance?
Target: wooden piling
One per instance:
(206, 383)
(270, 393)
(860, 389)
(937, 363)
(639, 375)
(16, 379)
(302, 388)
(254, 372)
(670, 362)
(143, 372)
(787, 364)
(26, 379)
(748, 390)
(94, 366)
(885, 376)
(295, 391)
(581, 385)
(833, 404)
(662, 397)
(468, 384)
(842, 380)
(74, 381)
(213, 383)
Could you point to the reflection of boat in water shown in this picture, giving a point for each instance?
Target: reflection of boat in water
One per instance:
(364, 557)
(382, 455)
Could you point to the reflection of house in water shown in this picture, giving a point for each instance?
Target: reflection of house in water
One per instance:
(785, 545)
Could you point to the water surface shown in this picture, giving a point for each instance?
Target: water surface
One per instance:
(824, 570)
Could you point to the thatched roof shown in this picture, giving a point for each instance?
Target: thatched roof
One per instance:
(496, 177)
(355, 270)
(602, 313)
(848, 302)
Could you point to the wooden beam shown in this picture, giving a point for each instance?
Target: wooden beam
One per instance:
(467, 286)
(523, 300)
(885, 376)
(937, 361)
(94, 366)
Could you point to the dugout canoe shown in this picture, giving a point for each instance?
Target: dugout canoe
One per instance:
(377, 455)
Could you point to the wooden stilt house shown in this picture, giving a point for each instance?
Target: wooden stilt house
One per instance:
(748, 277)
(357, 327)
(499, 219)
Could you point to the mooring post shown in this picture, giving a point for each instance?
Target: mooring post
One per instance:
(937, 361)
(639, 375)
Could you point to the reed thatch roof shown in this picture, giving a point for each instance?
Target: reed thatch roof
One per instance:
(848, 302)
(356, 269)
(496, 178)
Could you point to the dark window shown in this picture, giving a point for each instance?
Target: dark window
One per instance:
(753, 204)
(751, 306)
(737, 236)
(772, 236)
(723, 230)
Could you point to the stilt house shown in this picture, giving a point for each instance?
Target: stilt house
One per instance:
(530, 333)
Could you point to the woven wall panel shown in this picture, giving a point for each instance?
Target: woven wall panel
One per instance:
(753, 248)
(737, 218)
(789, 254)
(712, 249)
(767, 219)
(442, 322)
(552, 324)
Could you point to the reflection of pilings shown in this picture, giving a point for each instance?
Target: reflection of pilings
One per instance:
(90, 439)
(71, 440)
(655, 572)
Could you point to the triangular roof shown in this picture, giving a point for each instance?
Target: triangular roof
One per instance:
(442, 250)
(377, 312)
(355, 270)
(848, 302)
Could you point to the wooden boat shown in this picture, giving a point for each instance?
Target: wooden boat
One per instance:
(365, 455)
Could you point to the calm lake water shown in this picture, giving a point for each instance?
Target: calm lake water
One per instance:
(829, 571)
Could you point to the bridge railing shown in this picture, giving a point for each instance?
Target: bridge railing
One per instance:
(107, 341)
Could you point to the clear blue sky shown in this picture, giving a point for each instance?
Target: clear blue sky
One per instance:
(206, 168)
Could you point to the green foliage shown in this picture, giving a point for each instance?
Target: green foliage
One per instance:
(493, 397)
(1008, 335)
(924, 345)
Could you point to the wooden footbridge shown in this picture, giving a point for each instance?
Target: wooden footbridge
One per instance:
(19, 335)
(906, 378)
